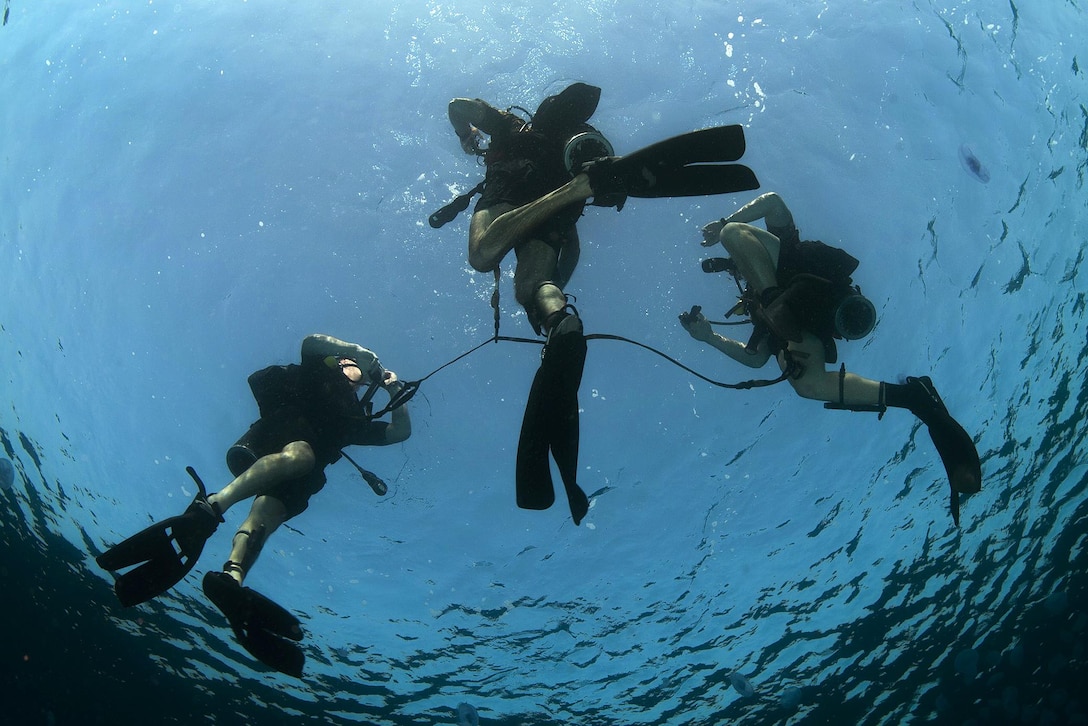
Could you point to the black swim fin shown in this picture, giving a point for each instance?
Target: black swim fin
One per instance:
(262, 627)
(694, 181)
(532, 474)
(716, 144)
(564, 447)
(687, 165)
(954, 445)
(551, 423)
(165, 551)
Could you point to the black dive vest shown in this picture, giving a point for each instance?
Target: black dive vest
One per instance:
(321, 394)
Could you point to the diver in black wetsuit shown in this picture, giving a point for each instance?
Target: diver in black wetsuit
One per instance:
(800, 298)
(532, 198)
(531, 201)
(308, 413)
(540, 175)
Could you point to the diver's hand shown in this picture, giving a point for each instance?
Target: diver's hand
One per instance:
(696, 324)
(470, 141)
(390, 380)
(711, 232)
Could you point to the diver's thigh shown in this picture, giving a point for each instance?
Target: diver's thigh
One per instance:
(482, 219)
(809, 354)
(738, 238)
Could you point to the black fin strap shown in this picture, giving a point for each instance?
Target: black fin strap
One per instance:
(398, 399)
(495, 301)
(879, 408)
(199, 484)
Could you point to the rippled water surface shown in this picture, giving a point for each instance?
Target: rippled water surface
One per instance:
(189, 189)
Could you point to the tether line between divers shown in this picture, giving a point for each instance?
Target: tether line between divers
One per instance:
(411, 387)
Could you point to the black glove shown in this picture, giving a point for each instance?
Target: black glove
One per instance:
(690, 316)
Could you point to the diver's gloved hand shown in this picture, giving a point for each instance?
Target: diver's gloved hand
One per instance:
(696, 324)
(470, 141)
(375, 372)
(326, 347)
(368, 363)
(711, 233)
(389, 380)
(609, 187)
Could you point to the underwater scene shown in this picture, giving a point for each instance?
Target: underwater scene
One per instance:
(599, 363)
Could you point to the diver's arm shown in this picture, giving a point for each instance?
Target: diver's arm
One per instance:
(324, 346)
(738, 352)
(767, 206)
(699, 328)
(470, 116)
(400, 424)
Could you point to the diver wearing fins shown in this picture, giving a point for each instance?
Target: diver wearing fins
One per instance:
(531, 204)
(308, 413)
(540, 176)
(800, 299)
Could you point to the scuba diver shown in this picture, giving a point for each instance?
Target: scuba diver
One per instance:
(308, 413)
(800, 299)
(541, 174)
(530, 204)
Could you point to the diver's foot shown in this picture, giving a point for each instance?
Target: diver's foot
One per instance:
(245, 608)
(711, 232)
(578, 501)
(607, 182)
(563, 322)
(564, 353)
(203, 518)
(954, 445)
(265, 629)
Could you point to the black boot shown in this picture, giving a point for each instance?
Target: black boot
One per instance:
(203, 518)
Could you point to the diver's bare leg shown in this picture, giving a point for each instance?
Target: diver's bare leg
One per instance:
(265, 516)
(820, 384)
(492, 236)
(296, 459)
(755, 252)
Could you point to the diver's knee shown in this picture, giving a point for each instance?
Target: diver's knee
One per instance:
(812, 387)
(300, 456)
(733, 235)
(480, 264)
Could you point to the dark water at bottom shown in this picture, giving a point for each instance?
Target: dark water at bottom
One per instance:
(66, 660)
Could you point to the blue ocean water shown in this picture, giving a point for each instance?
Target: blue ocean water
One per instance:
(189, 189)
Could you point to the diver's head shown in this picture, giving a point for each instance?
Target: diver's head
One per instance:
(855, 316)
(583, 148)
